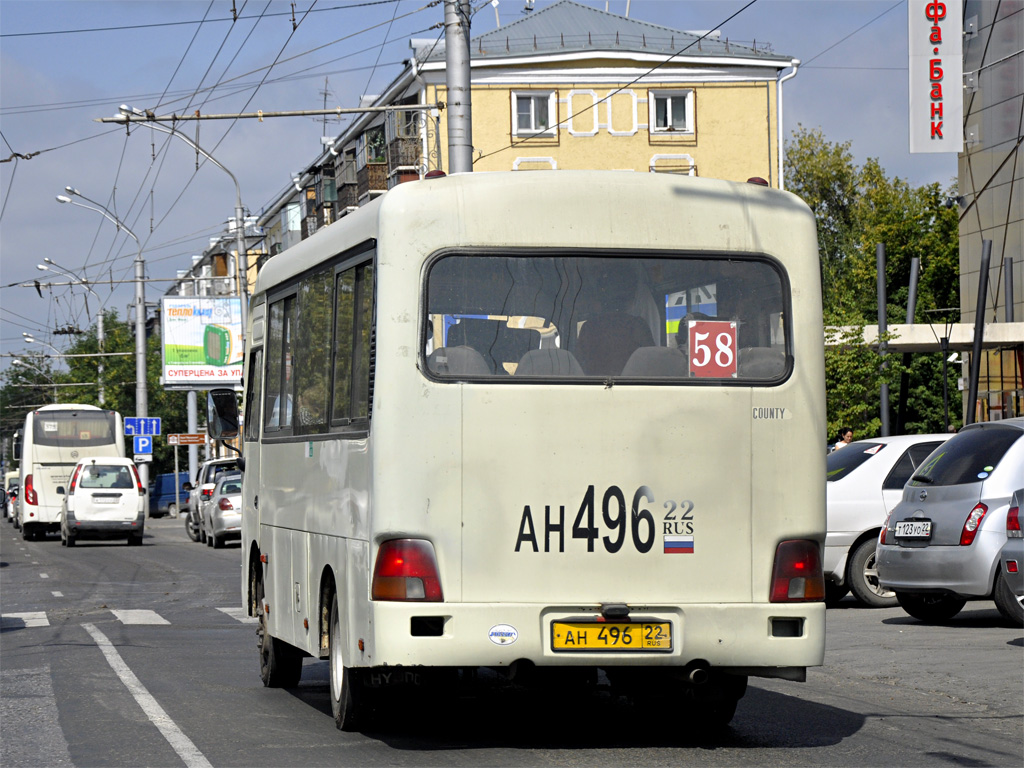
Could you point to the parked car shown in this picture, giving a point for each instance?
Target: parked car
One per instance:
(222, 515)
(12, 481)
(942, 544)
(1011, 559)
(104, 499)
(202, 490)
(164, 497)
(865, 482)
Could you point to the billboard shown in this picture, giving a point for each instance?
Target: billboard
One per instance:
(202, 341)
(935, 43)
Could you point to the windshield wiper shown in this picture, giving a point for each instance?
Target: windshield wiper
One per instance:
(923, 478)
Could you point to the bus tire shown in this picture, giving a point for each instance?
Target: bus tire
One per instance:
(1009, 605)
(280, 663)
(931, 609)
(862, 576)
(344, 702)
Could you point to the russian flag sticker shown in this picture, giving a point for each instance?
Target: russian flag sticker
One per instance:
(682, 545)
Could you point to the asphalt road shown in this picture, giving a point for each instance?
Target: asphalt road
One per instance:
(122, 656)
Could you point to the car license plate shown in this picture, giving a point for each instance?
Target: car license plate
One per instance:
(585, 636)
(914, 529)
(105, 499)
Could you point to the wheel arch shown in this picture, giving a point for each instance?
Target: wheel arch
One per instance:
(328, 588)
(871, 533)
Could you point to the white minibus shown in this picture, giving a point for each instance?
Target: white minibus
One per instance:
(56, 437)
(540, 421)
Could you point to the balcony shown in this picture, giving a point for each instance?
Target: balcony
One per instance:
(371, 178)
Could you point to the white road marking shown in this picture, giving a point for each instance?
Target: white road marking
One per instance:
(144, 616)
(239, 614)
(57, 594)
(31, 619)
(44, 575)
(179, 742)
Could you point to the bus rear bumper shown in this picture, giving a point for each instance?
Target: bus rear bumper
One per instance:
(756, 639)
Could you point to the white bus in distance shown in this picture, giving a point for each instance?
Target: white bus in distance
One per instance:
(56, 437)
(540, 421)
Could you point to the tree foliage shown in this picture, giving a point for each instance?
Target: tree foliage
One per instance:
(856, 208)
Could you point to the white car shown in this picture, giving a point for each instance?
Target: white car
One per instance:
(865, 481)
(202, 491)
(104, 499)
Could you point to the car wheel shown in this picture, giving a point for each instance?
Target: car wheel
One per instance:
(346, 703)
(1009, 605)
(930, 608)
(172, 509)
(70, 541)
(280, 663)
(135, 540)
(217, 541)
(834, 593)
(862, 576)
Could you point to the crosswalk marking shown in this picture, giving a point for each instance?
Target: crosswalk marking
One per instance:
(18, 620)
(137, 616)
(142, 617)
(239, 614)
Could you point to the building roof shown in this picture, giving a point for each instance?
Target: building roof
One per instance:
(568, 27)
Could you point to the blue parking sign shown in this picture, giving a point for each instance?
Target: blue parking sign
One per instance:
(143, 444)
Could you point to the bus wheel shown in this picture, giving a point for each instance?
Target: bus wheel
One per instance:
(863, 578)
(344, 702)
(280, 663)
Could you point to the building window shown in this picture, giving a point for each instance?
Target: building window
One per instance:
(534, 113)
(671, 112)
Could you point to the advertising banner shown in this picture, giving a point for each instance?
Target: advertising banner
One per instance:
(202, 341)
(935, 31)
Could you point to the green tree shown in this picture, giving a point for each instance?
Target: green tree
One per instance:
(856, 208)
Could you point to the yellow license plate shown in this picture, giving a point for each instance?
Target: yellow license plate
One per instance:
(582, 636)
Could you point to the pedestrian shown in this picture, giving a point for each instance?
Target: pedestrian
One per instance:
(845, 438)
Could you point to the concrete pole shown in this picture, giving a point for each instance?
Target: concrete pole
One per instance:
(882, 330)
(1008, 287)
(141, 397)
(193, 426)
(99, 363)
(457, 77)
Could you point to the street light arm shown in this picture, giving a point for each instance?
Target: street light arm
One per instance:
(102, 212)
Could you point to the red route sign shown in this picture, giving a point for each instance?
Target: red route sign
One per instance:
(187, 438)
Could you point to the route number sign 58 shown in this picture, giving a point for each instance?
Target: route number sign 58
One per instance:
(712, 345)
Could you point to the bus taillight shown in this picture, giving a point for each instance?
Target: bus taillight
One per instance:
(797, 576)
(406, 569)
(31, 497)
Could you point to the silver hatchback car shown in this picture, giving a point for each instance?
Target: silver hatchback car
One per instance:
(941, 544)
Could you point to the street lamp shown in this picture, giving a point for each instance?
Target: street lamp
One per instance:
(30, 339)
(23, 364)
(141, 400)
(241, 252)
(54, 267)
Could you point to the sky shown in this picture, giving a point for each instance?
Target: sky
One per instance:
(63, 64)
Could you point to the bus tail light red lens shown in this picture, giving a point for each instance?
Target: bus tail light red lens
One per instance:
(796, 575)
(1013, 530)
(31, 497)
(972, 524)
(406, 569)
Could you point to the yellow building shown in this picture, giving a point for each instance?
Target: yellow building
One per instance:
(566, 87)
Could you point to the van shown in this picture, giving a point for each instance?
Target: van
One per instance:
(164, 497)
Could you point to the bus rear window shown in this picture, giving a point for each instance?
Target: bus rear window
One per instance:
(73, 429)
(669, 319)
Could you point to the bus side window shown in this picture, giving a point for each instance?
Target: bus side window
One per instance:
(353, 333)
(280, 364)
(312, 369)
(254, 395)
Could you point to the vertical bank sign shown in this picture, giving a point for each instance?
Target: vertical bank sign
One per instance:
(936, 75)
(202, 341)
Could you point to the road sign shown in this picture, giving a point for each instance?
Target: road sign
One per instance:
(137, 425)
(187, 438)
(142, 458)
(143, 444)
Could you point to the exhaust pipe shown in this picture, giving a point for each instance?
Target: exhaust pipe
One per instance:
(698, 675)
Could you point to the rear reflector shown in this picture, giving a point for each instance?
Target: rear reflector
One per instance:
(797, 576)
(1011, 566)
(406, 569)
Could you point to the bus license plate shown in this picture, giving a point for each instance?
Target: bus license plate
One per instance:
(603, 636)
(914, 529)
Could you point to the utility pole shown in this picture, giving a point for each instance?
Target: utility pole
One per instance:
(458, 78)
